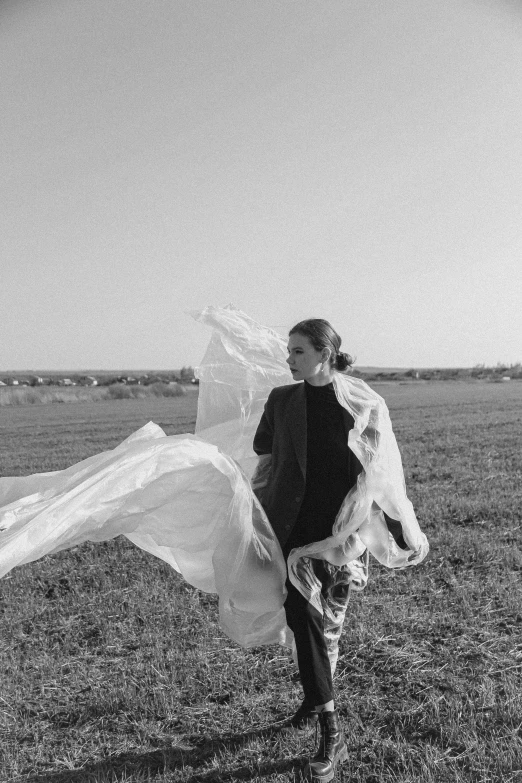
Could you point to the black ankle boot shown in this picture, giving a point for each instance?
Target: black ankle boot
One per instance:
(332, 749)
(305, 716)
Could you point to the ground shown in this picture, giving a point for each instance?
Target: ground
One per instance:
(114, 669)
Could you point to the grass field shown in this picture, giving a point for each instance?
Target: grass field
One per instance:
(46, 395)
(114, 669)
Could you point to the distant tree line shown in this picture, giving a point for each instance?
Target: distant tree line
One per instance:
(479, 372)
(184, 376)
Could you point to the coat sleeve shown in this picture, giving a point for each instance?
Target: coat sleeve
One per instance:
(263, 440)
(264, 437)
(395, 528)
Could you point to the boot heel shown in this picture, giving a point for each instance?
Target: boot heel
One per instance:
(332, 749)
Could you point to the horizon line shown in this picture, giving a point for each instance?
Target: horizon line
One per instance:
(361, 368)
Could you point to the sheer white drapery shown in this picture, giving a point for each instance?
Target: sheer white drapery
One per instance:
(188, 500)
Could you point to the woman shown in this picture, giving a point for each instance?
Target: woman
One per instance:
(309, 472)
(188, 499)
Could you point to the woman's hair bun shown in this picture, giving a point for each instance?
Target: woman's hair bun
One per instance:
(343, 361)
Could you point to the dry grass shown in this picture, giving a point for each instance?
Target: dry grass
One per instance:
(26, 395)
(122, 391)
(114, 669)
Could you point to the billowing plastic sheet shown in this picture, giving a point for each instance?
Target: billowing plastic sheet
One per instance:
(188, 498)
(360, 526)
(177, 497)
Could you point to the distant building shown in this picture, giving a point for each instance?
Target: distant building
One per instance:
(88, 380)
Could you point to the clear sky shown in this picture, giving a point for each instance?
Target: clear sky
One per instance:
(353, 160)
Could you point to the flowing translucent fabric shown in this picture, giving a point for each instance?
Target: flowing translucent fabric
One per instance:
(188, 498)
(360, 526)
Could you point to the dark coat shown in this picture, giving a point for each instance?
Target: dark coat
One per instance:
(282, 433)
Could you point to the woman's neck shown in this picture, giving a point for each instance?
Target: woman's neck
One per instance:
(321, 380)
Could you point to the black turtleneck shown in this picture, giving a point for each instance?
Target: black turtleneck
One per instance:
(331, 467)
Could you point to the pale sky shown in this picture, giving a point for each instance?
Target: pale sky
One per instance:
(355, 160)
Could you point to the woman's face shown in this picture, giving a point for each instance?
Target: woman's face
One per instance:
(306, 364)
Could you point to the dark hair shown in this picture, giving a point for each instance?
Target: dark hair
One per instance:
(322, 335)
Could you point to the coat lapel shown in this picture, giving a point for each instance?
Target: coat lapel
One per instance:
(296, 413)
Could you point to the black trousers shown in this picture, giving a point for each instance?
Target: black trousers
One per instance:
(307, 625)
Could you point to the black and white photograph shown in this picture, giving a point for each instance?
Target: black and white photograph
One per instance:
(261, 391)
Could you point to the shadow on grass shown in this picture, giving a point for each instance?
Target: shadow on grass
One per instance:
(191, 752)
